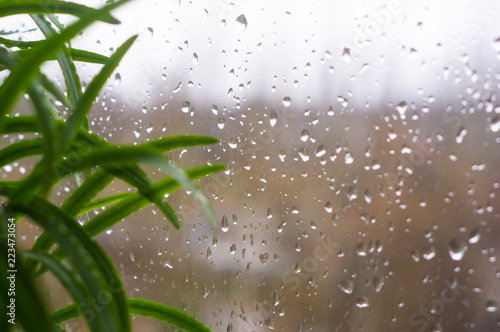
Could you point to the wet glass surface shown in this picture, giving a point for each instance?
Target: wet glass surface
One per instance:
(362, 148)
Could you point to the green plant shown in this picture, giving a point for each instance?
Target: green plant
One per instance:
(66, 147)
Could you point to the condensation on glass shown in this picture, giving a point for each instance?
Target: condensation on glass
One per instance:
(362, 148)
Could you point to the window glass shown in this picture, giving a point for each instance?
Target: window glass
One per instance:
(362, 146)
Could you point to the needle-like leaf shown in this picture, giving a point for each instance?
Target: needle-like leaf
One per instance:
(146, 308)
(28, 68)
(68, 147)
(31, 313)
(46, 116)
(14, 7)
(85, 102)
(89, 259)
(19, 150)
(71, 281)
(76, 55)
(130, 203)
(71, 78)
(19, 124)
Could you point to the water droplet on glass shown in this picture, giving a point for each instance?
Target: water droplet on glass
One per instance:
(273, 118)
(233, 144)
(287, 101)
(320, 151)
(195, 58)
(166, 231)
(364, 68)
(362, 302)
(276, 298)
(428, 252)
(242, 20)
(474, 235)
(329, 207)
(282, 155)
(352, 193)
(304, 154)
(346, 55)
(232, 250)
(169, 264)
(347, 286)
(118, 79)
(221, 123)
(415, 255)
(362, 249)
(401, 108)
(348, 159)
(186, 106)
(406, 150)
(413, 53)
(264, 257)
(215, 109)
(224, 224)
(330, 111)
(461, 135)
(177, 88)
(392, 134)
(304, 135)
(491, 306)
(496, 44)
(368, 196)
(209, 253)
(205, 290)
(457, 249)
(378, 283)
(495, 124)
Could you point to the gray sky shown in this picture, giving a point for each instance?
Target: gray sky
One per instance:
(367, 52)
